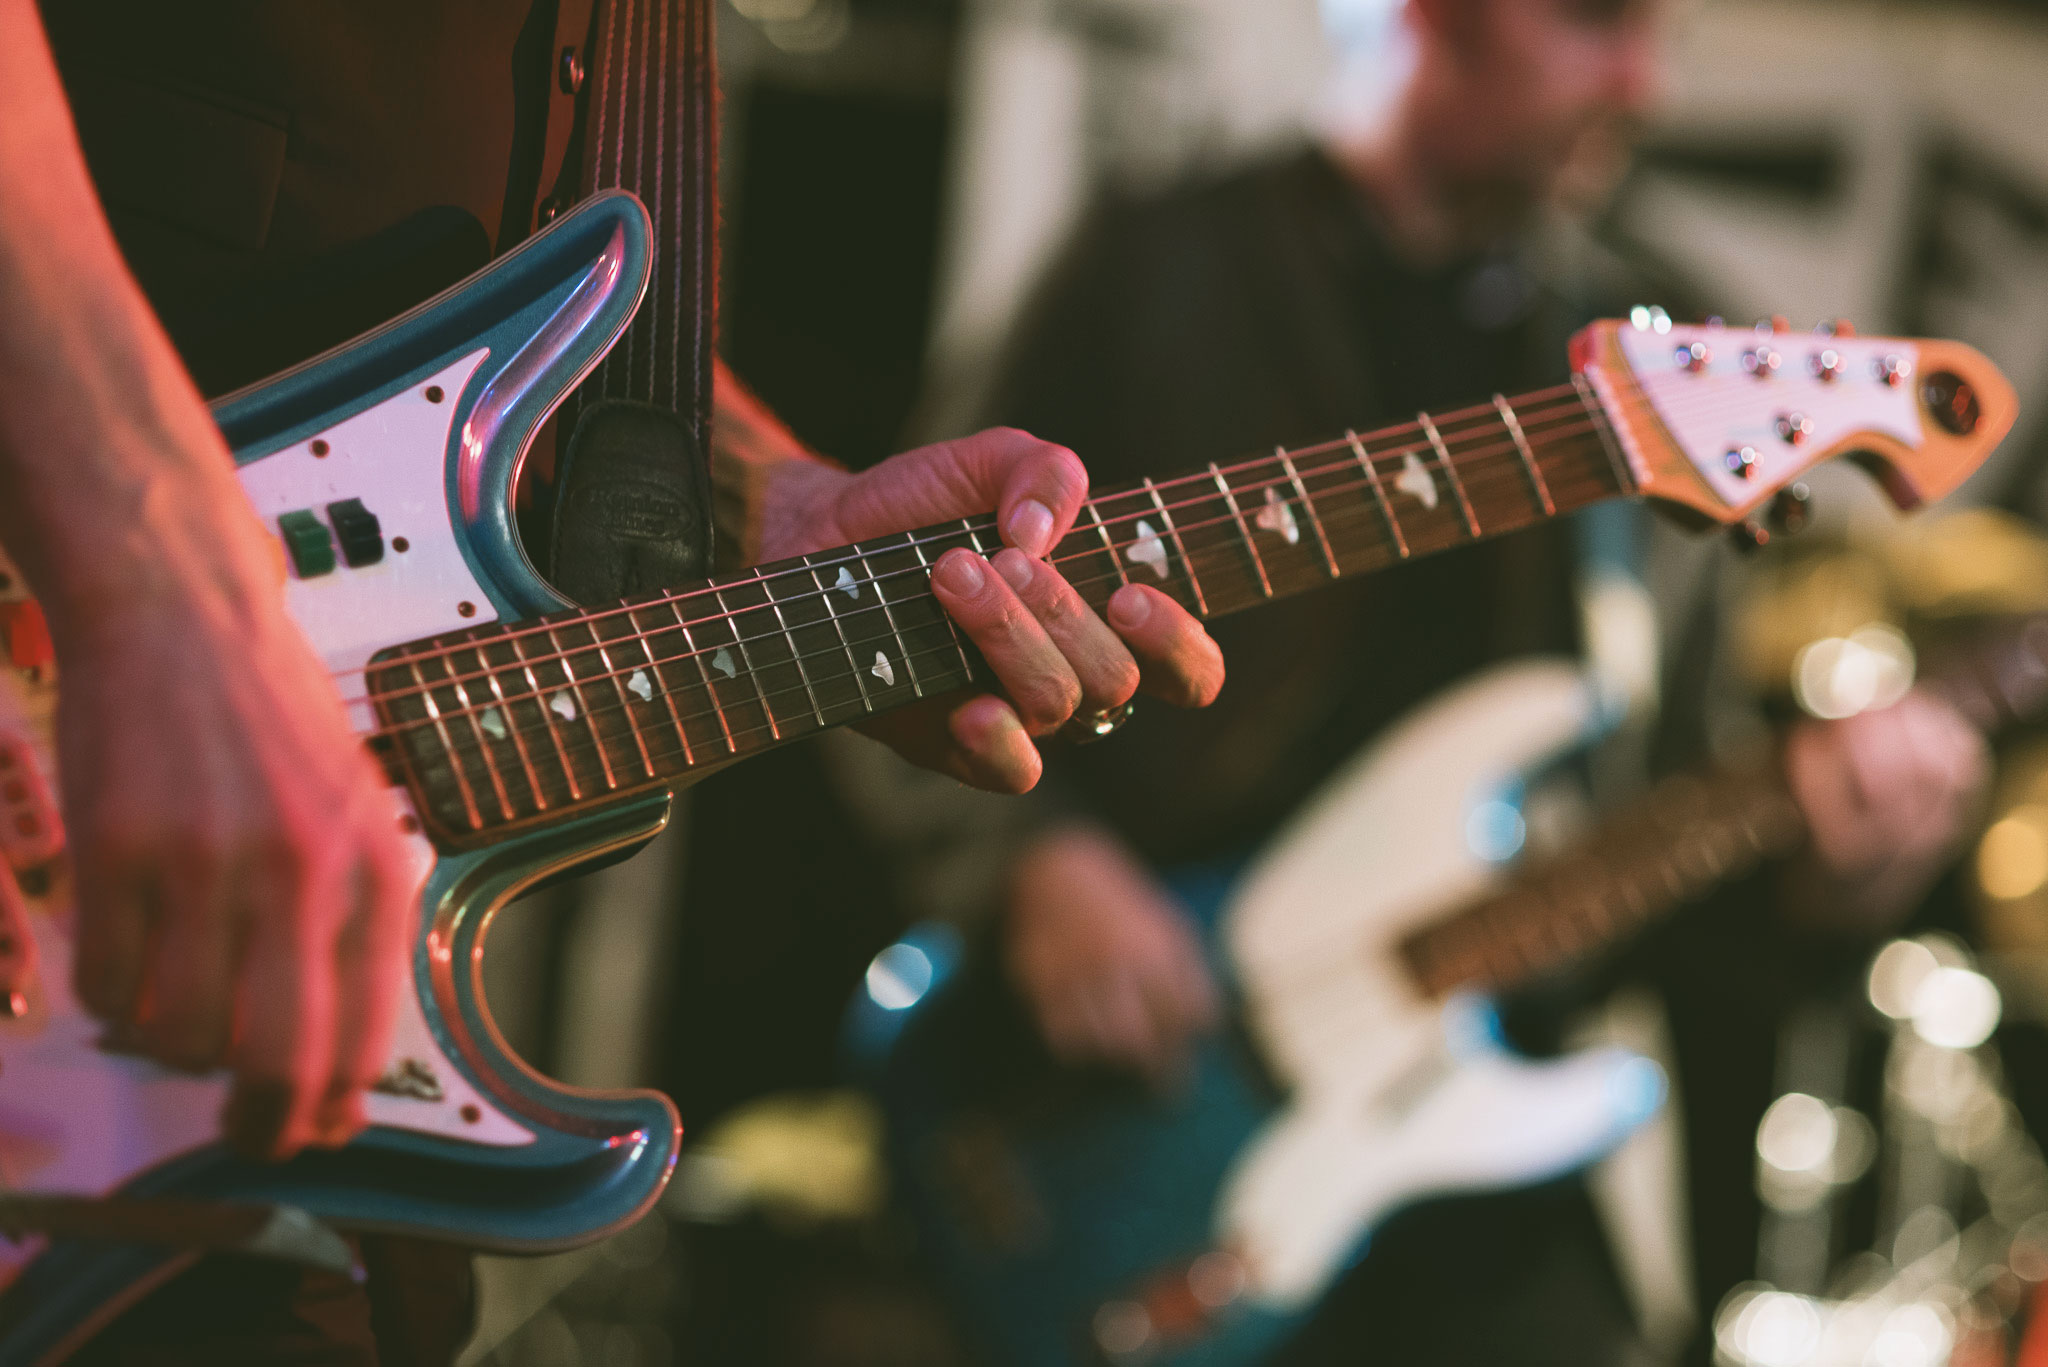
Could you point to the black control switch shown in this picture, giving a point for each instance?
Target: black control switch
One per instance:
(356, 528)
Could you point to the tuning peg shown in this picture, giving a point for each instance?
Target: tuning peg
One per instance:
(1749, 535)
(1840, 327)
(1791, 510)
(1779, 323)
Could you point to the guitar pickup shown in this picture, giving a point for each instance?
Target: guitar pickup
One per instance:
(357, 529)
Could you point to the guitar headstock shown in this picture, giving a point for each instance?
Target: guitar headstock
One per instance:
(1718, 419)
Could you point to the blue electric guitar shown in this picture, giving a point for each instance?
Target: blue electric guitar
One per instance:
(524, 736)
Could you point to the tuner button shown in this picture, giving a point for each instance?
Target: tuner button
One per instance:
(1841, 327)
(1827, 364)
(1649, 318)
(1793, 428)
(1892, 370)
(1791, 509)
(1762, 361)
(1741, 461)
(1694, 357)
(1749, 535)
(1779, 323)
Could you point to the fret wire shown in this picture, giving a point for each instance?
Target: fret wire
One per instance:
(540, 800)
(613, 674)
(704, 673)
(966, 665)
(1514, 426)
(1587, 426)
(1309, 507)
(1116, 562)
(476, 822)
(974, 537)
(747, 659)
(1624, 482)
(846, 645)
(756, 610)
(889, 616)
(1201, 606)
(668, 695)
(568, 663)
(547, 717)
(1182, 531)
(1585, 416)
(796, 654)
(1243, 529)
(1379, 492)
(1443, 456)
(469, 715)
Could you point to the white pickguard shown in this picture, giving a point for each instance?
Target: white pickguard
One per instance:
(75, 1119)
(1396, 1097)
(393, 457)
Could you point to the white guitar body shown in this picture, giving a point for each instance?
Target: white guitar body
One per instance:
(74, 1121)
(1395, 1097)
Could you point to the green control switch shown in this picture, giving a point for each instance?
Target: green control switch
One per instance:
(307, 541)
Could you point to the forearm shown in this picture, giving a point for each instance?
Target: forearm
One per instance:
(115, 478)
(757, 466)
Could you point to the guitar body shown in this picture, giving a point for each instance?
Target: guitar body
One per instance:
(426, 421)
(1077, 1218)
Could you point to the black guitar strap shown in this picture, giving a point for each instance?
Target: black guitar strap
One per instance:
(633, 501)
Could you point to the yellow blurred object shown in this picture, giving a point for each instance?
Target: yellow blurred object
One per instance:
(1973, 562)
(2012, 857)
(1803, 600)
(811, 1156)
(2010, 869)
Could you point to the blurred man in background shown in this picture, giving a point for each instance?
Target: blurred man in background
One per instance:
(1412, 259)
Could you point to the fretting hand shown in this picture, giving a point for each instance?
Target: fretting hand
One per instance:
(1110, 968)
(1053, 656)
(1887, 797)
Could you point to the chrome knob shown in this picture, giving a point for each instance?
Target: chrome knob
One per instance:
(1793, 428)
(1827, 365)
(1694, 357)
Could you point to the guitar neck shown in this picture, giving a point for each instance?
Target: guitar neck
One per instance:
(1693, 833)
(514, 724)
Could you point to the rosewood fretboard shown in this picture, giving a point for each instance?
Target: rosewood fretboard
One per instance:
(516, 723)
(1692, 833)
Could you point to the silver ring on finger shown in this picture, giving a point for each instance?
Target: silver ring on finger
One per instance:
(1086, 728)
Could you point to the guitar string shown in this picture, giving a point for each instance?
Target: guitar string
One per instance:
(592, 745)
(482, 781)
(1483, 482)
(1480, 472)
(1395, 455)
(1230, 547)
(1548, 425)
(795, 657)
